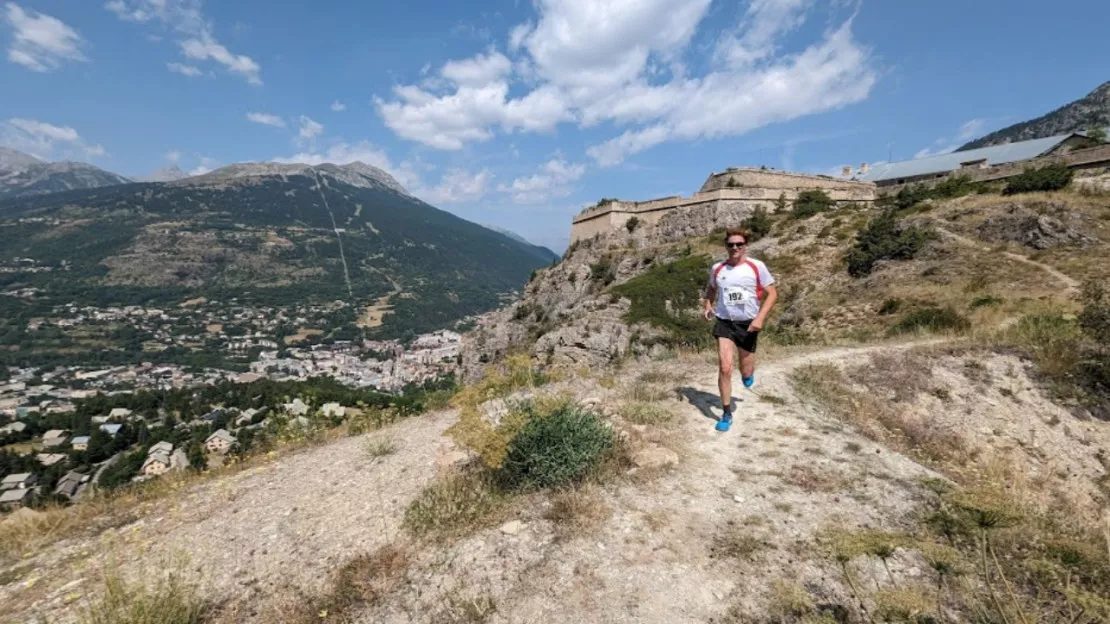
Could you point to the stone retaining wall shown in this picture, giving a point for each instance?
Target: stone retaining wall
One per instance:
(757, 188)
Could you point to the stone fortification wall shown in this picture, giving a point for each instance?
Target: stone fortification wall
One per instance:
(772, 180)
(751, 188)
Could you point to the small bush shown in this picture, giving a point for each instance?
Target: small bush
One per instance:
(555, 450)
(632, 224)
(758, 223)
(1095, 317)
(932, 319)
(952, 186)
(986, 300)
(810, 203)
(890, 306)
(1048, 178)
(885, 238)
(604, 271)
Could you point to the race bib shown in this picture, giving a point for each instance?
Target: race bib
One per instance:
(738, 297)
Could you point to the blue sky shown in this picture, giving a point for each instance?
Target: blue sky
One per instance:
(517, 113)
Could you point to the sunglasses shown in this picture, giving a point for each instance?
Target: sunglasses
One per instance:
(735, 245)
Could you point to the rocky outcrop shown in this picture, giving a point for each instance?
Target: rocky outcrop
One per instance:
(568, 316)
(1038, 231)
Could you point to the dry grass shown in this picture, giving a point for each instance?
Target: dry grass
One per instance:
(454, 506)
(812, 480)
(357, 586)
(736, 542)
(381, 447)
(172, 599)
(652, 386)
(646, 414)
(883, 421)
(578, 512)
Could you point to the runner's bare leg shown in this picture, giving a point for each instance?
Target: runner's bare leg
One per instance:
(747, 363)
(726, 349)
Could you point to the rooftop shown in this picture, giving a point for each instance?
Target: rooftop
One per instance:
(942, 163)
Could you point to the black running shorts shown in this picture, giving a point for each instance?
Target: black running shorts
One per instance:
(737, 331)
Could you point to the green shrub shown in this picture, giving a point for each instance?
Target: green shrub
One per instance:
(890, 306)
(932, 319)
(986, 300)
(780, 204)
(680, 282)
(810, 203)
(952, 186)
(604, 271)
(885, 238)
(758, 223)
(1095, 317)
(555, 450)
(1048, 178)
(632, 224)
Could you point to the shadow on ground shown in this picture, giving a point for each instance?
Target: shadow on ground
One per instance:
(708, 404)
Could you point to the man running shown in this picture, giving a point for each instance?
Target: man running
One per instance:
(735, 295)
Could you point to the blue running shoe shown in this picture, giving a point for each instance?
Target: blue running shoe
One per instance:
(725, 422)
(748, 381)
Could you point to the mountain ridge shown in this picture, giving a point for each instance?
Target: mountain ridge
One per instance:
(1092, 110)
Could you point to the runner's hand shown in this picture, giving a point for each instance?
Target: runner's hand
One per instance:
(756, 325)
(708, 314)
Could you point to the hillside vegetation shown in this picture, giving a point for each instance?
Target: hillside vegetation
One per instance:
(272, 240)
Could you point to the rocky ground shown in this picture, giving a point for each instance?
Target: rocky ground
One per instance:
(703, 527)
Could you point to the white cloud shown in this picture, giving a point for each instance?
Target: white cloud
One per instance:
(206, 164)
(207, 48)
(186, 18)
(338, 106)
(971, 129)
(945, 145)
(310, 129)
(46, 141)
(173, 156)
(458, 186)
(621, 61)
(477, 71)
(756, 37)
(183, 69)
(40, 42)
(266, 119)
(551, 181)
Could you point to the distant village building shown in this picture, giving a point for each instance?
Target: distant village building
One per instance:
(330, 410)
(156, 464)
(18, 481)
(55, 437)
(111, 428)
(49, 459)
(80, 443)
(119, 413)
(220, 442)
(15, 498)
(990, 163)
(72, 485)
(13, 427)
(161, 447)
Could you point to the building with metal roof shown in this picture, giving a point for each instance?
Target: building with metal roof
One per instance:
(940, 165)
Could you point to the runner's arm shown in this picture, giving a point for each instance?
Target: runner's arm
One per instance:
(765, 307)
(708, 299)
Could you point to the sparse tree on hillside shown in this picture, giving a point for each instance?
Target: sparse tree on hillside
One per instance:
(1097, 133)
(780, 203)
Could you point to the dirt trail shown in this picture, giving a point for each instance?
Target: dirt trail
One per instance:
(775, 481)
(1072, 285)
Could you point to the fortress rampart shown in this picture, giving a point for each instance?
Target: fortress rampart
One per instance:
(745, 186)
